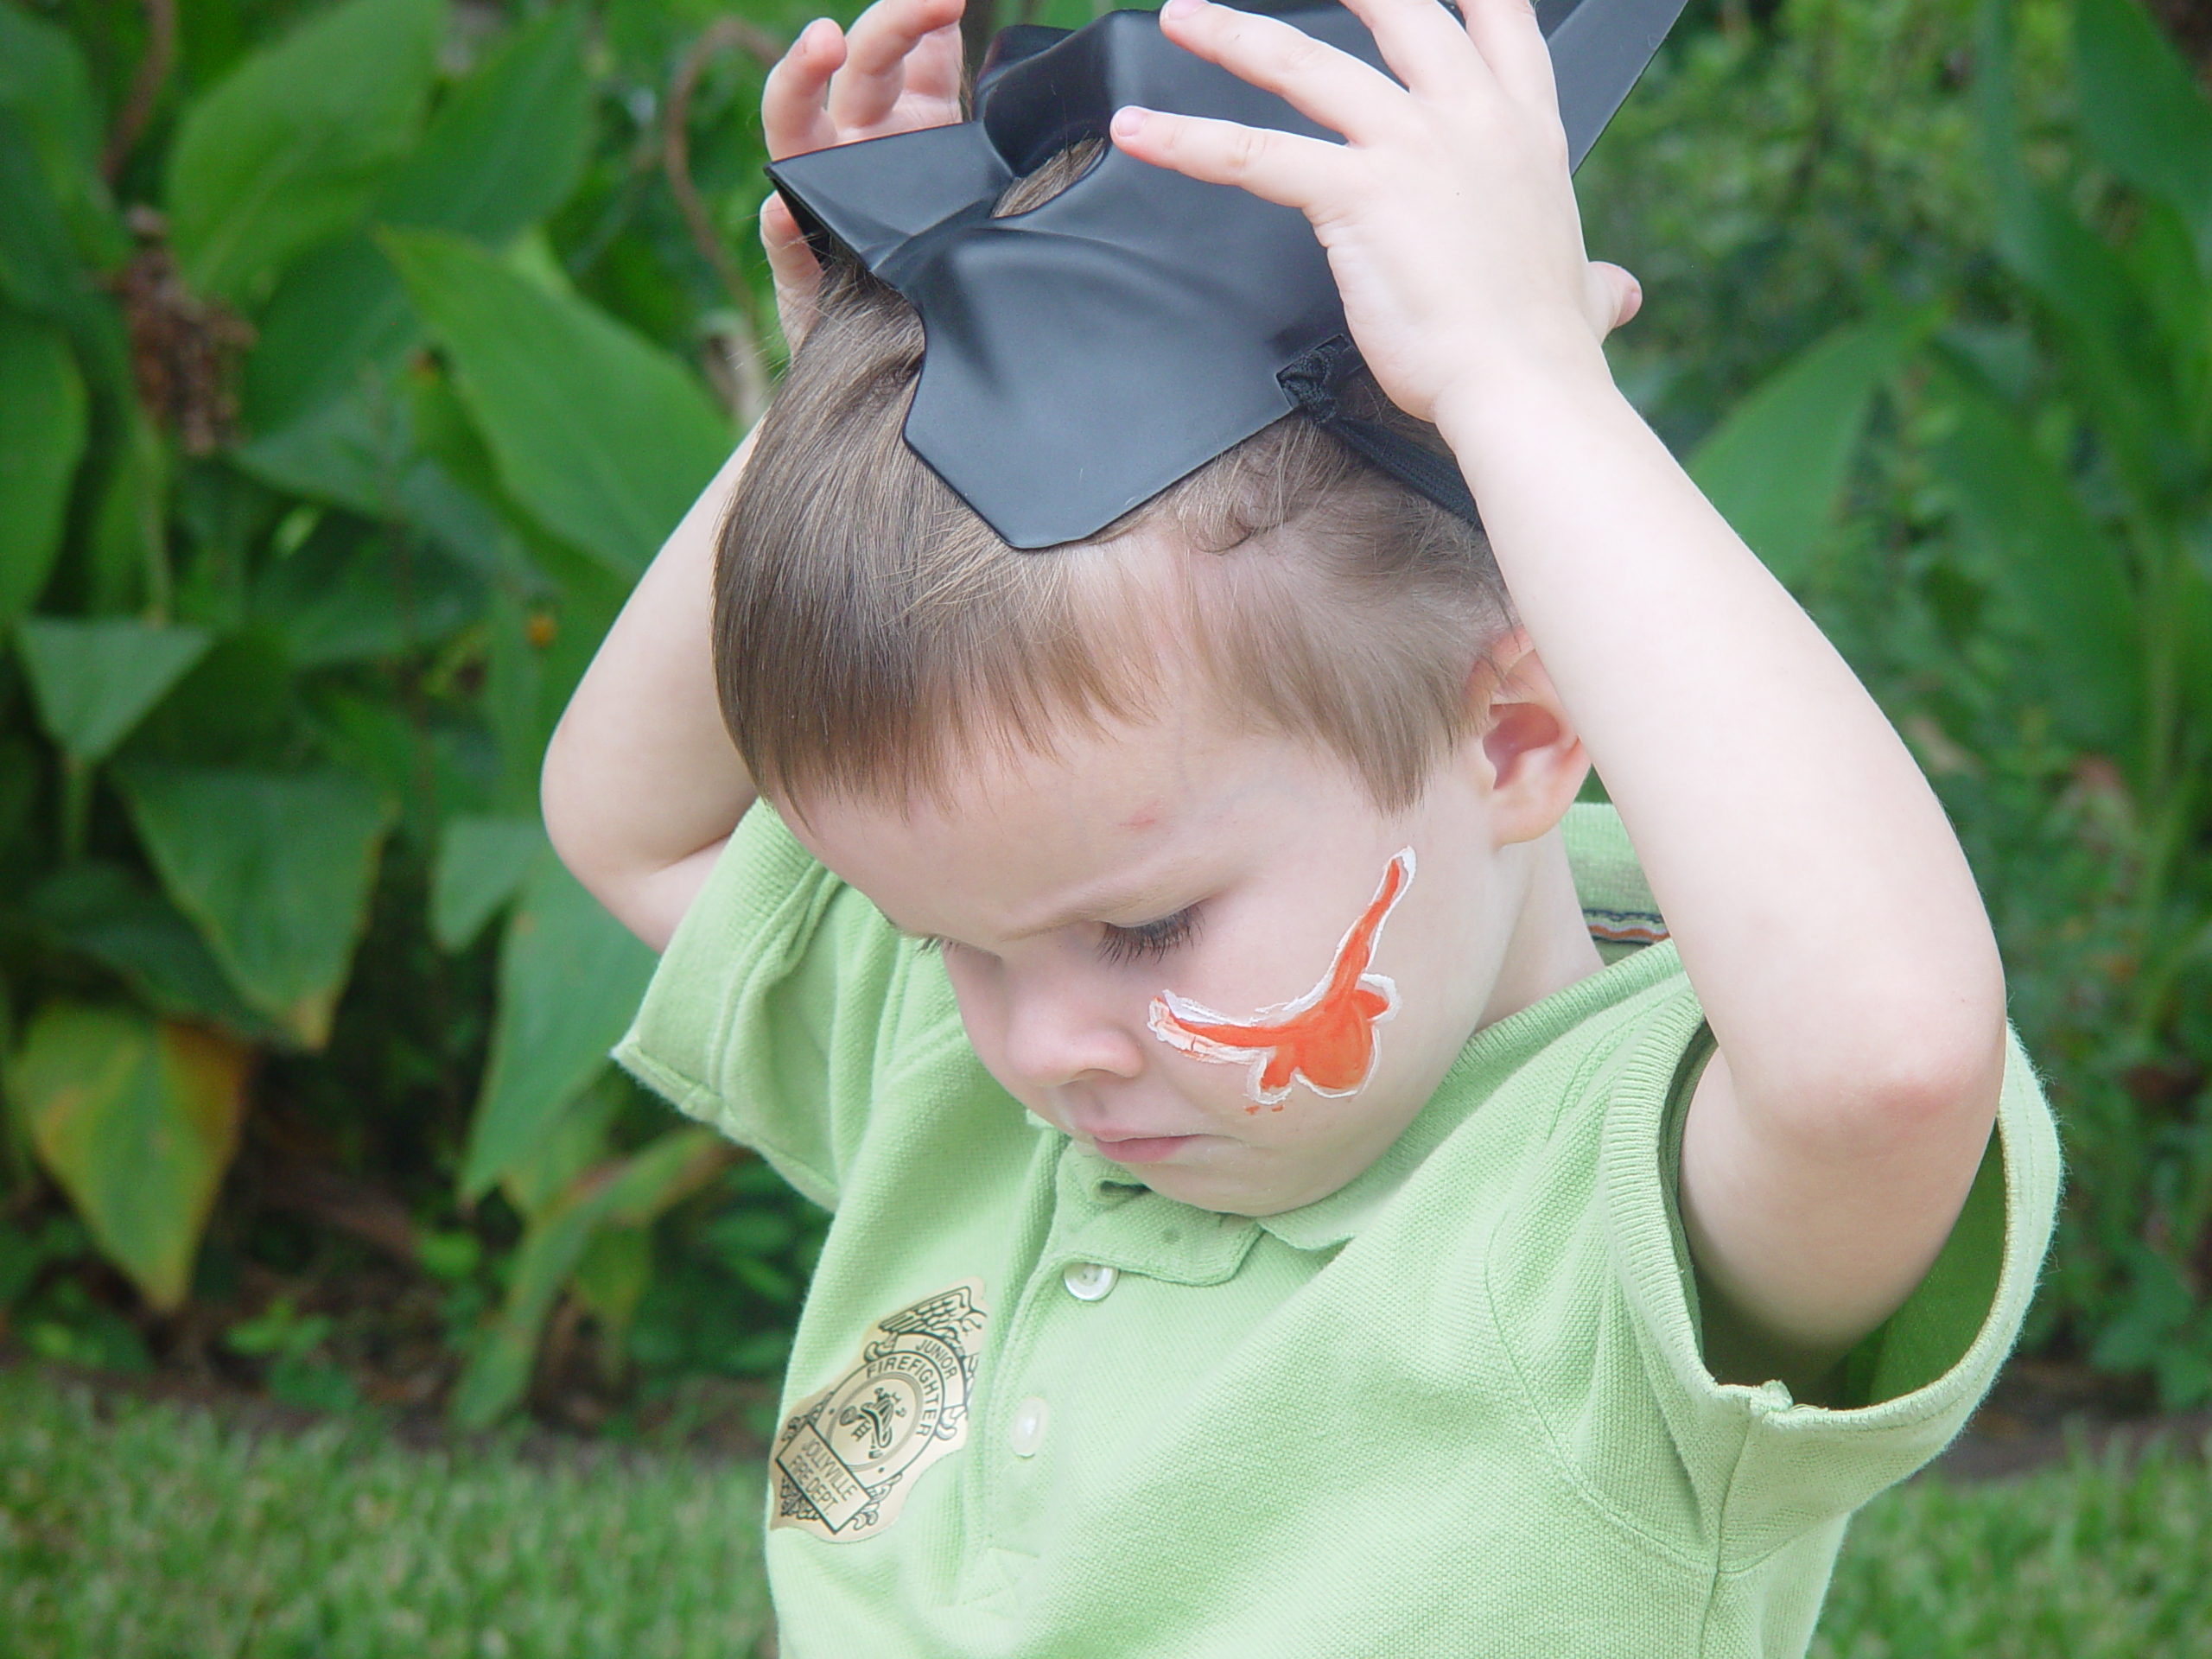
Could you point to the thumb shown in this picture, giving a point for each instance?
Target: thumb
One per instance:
(1610, 296)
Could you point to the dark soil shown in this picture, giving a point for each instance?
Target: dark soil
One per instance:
(2040, 1409)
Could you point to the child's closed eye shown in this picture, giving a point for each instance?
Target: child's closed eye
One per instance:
(1148, 941)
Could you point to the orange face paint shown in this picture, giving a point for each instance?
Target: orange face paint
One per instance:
(1325, 1038)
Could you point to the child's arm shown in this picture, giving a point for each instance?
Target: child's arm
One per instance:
(1823, 909)
(641, 787)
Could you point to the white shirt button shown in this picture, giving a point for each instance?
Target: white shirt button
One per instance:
(1088, 1282)
(1026, 1433)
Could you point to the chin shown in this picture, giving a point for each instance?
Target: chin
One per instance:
(1222, 1192)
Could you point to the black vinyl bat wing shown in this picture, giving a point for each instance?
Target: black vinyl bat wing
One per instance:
(1081, 357)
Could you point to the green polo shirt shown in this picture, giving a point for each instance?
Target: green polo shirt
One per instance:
(1455, 1407)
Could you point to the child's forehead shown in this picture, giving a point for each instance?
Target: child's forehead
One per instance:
(1109, 814)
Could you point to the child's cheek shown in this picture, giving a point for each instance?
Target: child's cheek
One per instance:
(1326, 1040)
(981, 998)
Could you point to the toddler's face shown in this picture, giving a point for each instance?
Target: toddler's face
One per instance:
(1072, 893)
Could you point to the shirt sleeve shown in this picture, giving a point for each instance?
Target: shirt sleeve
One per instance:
(778, 1004)
(1784, 1467)
(1595, 1291)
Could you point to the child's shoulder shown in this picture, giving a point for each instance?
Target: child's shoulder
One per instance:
(784, 1002)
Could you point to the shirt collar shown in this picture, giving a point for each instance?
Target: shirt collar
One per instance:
(1492, 1054)
(1098, 1185)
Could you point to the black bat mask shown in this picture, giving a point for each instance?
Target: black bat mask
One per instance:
(1081, 357)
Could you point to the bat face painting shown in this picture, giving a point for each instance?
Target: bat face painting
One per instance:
(1324, 1039)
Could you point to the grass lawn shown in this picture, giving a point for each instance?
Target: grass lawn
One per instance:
(140, 1531)
(2100, 1559)
(147, 1532)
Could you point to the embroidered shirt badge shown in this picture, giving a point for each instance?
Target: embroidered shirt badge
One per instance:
(849, 1456)
(1325, 1037)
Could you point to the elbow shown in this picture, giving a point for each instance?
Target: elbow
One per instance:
(1891, 1074)
(1931, 1077)
(564, 804)
(1943, 1084)
(579, 834)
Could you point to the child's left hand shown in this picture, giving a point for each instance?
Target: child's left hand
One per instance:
(1447, 213)
(897, 70)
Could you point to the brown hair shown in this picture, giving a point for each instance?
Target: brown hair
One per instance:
(871, 631)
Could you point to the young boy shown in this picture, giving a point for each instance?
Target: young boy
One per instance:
(1263, 1223)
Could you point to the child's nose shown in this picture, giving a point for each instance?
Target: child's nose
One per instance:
(1054, 1037)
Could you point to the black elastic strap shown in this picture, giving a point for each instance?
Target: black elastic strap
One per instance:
(1315, 384)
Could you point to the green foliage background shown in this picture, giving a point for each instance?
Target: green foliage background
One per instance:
(355, 358)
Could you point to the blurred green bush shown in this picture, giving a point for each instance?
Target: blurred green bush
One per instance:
(328, 460)
(354, 359)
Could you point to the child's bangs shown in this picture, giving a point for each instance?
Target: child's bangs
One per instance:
(873, 637)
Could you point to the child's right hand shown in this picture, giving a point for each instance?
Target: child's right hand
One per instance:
(898, 70)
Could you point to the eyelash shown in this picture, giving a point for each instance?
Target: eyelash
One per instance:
(1149, 942)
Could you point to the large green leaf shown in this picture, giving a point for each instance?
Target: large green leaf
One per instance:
(291, 147)
(239, 706)
(2142, 110)
(502, 152)
(44, 84)
(111, 916)
(508, 146)
(343, 599)
(2191, 598)
(358, 451)
(42, 74)
(338, 315)
(58, 226)
(571, 977)
(578, 1140)
(95, 680)
(1778, 460)
(273, 869)
(551, 581)
(482, 862)
(41, 439)
(2064, 575)
(599, 433)
(137, 1119)
(2107, 324)
(611, 1279)
(625, 1195)
(38, 265)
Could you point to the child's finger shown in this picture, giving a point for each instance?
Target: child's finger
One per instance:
(1424, 45)
(877, 57)
(792, 118)
(798, 274)
(1313, 77)
(1278, 167)
(937, 67)
(1512, 43)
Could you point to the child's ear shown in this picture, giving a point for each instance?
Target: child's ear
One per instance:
(1524, 745)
